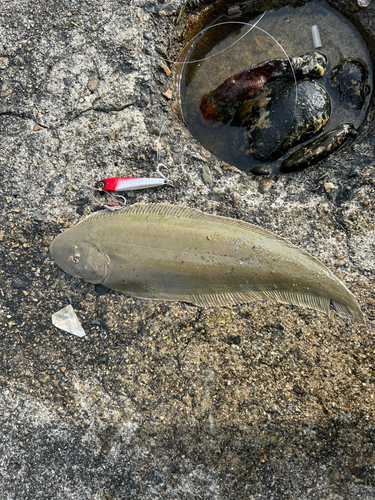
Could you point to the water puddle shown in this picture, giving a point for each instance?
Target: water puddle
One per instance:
(227, 49)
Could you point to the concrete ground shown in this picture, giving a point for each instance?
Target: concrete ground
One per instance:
(167, 400)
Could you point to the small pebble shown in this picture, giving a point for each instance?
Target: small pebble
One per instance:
(206, 176)
(364, 3)
(47, 240)
(166, 70)
(328, 186)
(233, 10)
(206, 153)
(354, 172)
(63, 369)
(17, 283)
(261, 170)
(44, 377)
(168, 94)
(92, 83)
(4, 62)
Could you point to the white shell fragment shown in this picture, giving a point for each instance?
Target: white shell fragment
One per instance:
(66, 319)
(316, 37)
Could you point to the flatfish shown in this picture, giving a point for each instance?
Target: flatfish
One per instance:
(167, 252)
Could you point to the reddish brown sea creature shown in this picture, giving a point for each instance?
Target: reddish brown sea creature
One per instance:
(220, 104)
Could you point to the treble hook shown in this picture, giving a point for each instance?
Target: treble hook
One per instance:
(160, 173)
(112, 205)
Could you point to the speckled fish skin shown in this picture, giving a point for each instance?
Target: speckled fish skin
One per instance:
(167, 252)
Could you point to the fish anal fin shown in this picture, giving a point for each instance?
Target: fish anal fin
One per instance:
(310, 301)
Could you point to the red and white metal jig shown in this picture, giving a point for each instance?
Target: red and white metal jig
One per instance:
(113, 184)
(132, 183)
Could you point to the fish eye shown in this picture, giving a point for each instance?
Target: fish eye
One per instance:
(75, 257)
(100, 185)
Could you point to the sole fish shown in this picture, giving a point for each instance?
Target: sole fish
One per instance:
(167, 252)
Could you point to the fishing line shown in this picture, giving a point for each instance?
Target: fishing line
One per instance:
(158, 148)
(204, 30)
(216, 53)
(185, 62)
(243, 24)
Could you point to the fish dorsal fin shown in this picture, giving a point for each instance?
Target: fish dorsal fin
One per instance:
(164, 209)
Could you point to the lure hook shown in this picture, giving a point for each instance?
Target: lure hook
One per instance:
(158, 174)
(115, 205)
(112, 205)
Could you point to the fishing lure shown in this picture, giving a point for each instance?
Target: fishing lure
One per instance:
(128, 183)
(131, 183)
(113, 184)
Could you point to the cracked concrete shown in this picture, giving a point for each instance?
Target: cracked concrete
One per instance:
(167, 400)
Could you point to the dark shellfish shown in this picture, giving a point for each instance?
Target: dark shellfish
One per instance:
(221, 104)
(318, 150)
(350, 77)
(279, 119)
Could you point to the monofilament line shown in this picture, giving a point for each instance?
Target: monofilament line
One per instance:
(252, 26)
